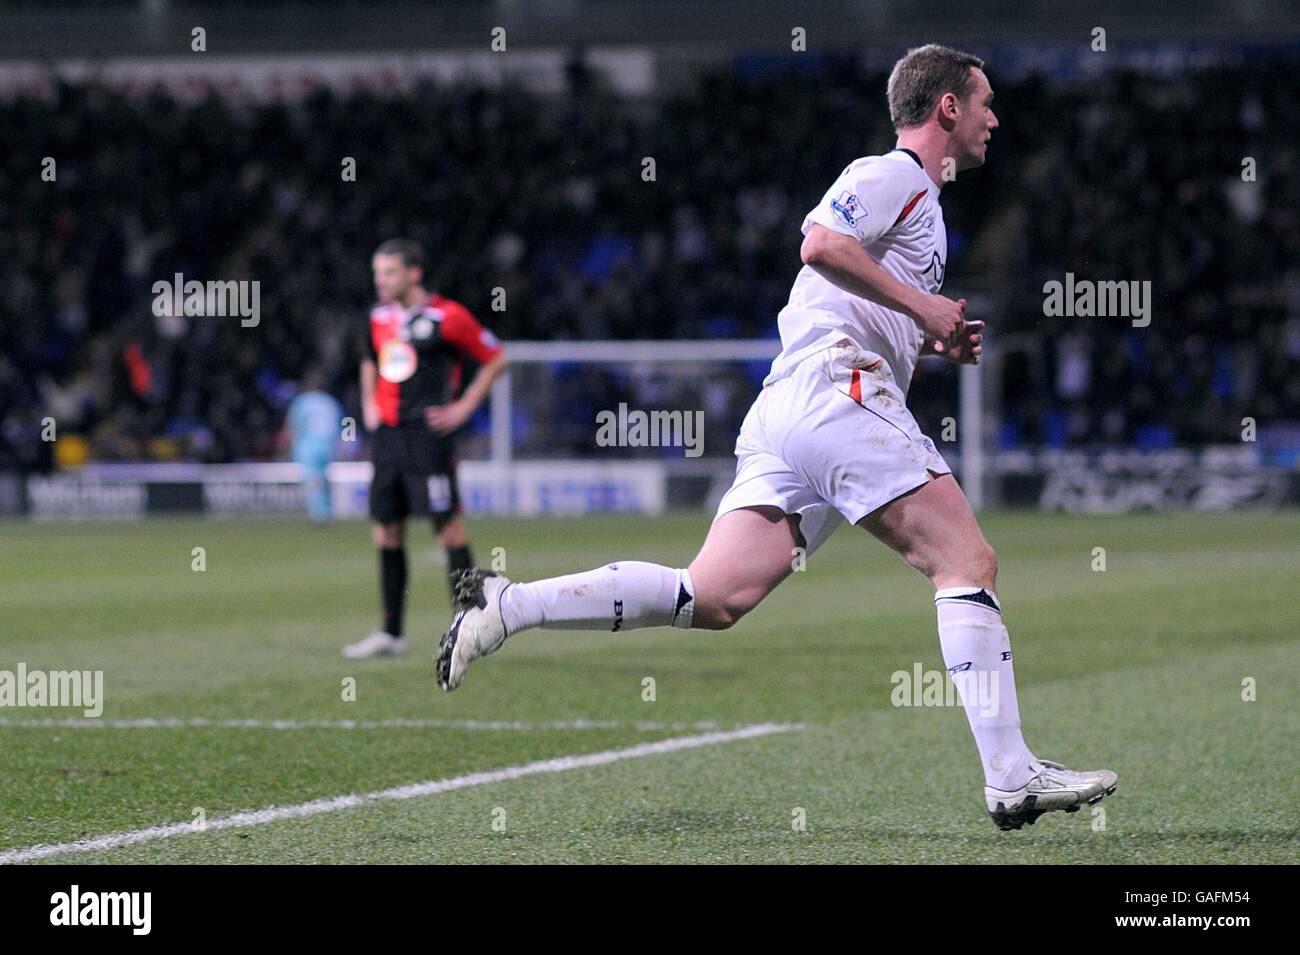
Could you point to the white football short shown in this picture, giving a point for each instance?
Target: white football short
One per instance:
(833, 440)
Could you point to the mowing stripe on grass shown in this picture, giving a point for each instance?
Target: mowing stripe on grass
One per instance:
(261, 817)
(200, 722)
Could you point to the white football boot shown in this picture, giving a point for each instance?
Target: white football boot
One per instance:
(377, 644)
(1055, 787)
(477, 627)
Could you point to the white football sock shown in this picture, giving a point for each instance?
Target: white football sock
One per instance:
(623, 596)
(977, 651)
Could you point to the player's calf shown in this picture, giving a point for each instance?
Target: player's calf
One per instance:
(747, 554)
(723, 611)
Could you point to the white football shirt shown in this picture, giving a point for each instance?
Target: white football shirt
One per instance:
(889, 205)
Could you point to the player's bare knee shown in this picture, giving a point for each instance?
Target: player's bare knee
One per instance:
(388, 536)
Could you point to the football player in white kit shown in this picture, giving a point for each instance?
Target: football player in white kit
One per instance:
(829, 439)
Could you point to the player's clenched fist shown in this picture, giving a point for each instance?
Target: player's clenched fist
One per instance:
(939, 318)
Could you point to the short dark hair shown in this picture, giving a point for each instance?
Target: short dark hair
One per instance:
(924, 75)
(409, 250)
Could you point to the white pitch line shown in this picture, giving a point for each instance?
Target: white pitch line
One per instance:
(200, 722)
(261, 817)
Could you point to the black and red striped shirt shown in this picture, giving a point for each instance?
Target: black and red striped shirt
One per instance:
(420, 354)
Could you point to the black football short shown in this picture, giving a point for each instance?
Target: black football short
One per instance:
(415, 474)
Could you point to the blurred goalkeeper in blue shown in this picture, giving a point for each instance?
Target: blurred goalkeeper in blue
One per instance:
(312, 425)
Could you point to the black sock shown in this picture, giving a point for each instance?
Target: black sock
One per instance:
(392, 587)
(458, 559)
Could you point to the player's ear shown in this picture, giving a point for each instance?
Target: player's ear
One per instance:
(949, 107)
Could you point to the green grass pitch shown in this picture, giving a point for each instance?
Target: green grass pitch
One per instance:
(1138, 668)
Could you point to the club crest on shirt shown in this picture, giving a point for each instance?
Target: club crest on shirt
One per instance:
(422, 328)
(847, 208)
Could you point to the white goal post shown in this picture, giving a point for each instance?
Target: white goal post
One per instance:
(971, 461)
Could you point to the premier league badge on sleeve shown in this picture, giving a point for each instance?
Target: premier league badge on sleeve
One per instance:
(848, 208)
